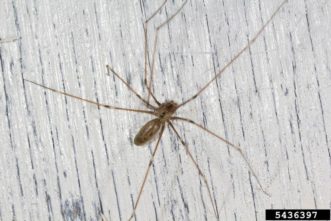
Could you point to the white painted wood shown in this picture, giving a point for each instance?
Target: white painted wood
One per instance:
(62, 159)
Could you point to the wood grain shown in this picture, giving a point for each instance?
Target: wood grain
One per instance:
(62, 159)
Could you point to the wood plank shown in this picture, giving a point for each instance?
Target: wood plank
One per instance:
(62, 159)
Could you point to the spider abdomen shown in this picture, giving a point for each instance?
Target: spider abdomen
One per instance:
(148, 132)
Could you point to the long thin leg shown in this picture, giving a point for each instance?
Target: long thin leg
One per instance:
(235, 57)
(150, 93)
(230, 144)
(213, 202)
(6, 40)
(146, 55)
(157, 10)
(90, 101)
(103, 217)
(149, 84)
(146, 174)
(109, 68)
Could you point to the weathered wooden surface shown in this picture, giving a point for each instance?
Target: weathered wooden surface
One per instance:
(62, 159)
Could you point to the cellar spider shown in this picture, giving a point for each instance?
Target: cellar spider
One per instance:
(164, 112)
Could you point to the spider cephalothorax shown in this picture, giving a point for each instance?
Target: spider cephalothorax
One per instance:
(166, 110)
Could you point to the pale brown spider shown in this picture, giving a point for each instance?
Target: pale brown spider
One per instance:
(164, 113)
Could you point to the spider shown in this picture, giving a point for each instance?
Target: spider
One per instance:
(164, 113)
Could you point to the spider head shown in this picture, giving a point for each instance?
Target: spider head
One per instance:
(166, 110)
